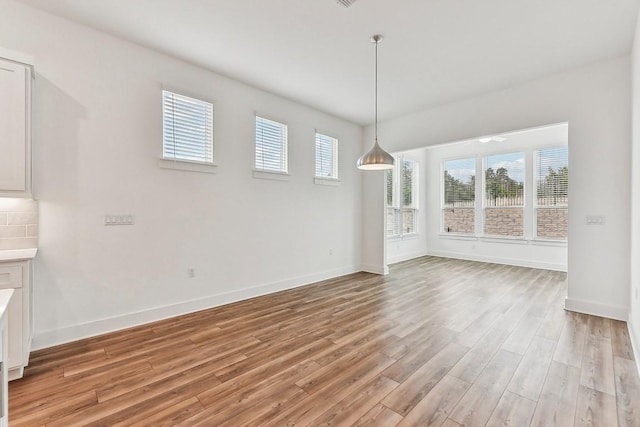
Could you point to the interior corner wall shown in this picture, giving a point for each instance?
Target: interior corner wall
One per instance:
(595, 100)
(634, 294)
(97, 137)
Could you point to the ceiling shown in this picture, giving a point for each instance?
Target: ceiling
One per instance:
(317, 52)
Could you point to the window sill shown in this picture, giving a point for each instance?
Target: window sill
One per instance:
(454, 236)
(275, 176)
(505, 239)
(186, 165)
(408, 236)
(546, 242)
(326, 181)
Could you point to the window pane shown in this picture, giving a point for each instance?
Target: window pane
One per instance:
(504, 222)
(389, 187)
(459, 182)
(402, 202)
(552, 223)
(326, 156)
(504, 180)
(393, 221)
(552, 177)
(271, 145)
(504, 195)
(408, 220)
(408, 167)
(187, 128)
(552, 193)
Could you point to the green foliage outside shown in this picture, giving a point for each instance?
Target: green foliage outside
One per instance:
(457, 191)
(499, 185)
(554, 187)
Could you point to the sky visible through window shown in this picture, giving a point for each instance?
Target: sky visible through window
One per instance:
(512, 162)
(462, 169)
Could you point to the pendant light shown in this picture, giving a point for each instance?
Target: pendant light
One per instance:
(376, 158)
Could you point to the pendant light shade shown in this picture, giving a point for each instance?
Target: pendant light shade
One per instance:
(376, 158)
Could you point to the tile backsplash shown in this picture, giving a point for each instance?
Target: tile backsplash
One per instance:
(18, 223)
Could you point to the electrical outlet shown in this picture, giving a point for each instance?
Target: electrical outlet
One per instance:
(191, 273)
(111, 219)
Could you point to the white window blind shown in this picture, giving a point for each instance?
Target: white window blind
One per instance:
(409, 196)
(326, 156)
(393, 212)
(552, 192)
(187, 128)
(402, 198)
(271, 146)
(459, 191)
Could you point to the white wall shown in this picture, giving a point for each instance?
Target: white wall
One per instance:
(528, 251)
(97, 138)
(634, 297)
(595, 101)
(414, 245)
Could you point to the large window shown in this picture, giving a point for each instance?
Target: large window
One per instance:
(326, 156)
(402, 198)
(271, 146)
(504, 195)
(187, 128)
(458, 208)
(552, 193)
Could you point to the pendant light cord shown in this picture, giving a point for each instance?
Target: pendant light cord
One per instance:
(375, 122)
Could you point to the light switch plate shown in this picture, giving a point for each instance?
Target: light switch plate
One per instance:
(126, 219)
(595, 220)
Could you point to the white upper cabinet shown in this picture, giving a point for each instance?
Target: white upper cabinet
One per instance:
(15, 125)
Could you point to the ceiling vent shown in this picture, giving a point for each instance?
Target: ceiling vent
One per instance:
(346, 3)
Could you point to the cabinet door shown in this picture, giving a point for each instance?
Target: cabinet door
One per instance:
(14, 357)
(13, 127)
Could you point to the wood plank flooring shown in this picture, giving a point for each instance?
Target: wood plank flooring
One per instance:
(438, 342)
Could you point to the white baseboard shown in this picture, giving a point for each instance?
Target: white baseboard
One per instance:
(51, 338)
(634, 336)
(498, 260)
(597, 309)
(406, 257)
(383, 270)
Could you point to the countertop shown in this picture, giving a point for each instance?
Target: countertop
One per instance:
(17, 254)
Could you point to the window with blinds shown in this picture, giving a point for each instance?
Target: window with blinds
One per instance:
(408, 186)
(326, 156)
(504, 194)
(459, 191)
(271, 146)
(393, 213)
(187, 128)
(402, 198)
(552, 193)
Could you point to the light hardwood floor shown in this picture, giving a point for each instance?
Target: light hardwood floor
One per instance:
(438, 342)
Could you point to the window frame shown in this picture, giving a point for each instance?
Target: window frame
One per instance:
(280, 174)
(334, 178)
(536, 206)
(443, 196)
(529, 195)
(523, 206)
(177, 163)
(397, 203)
